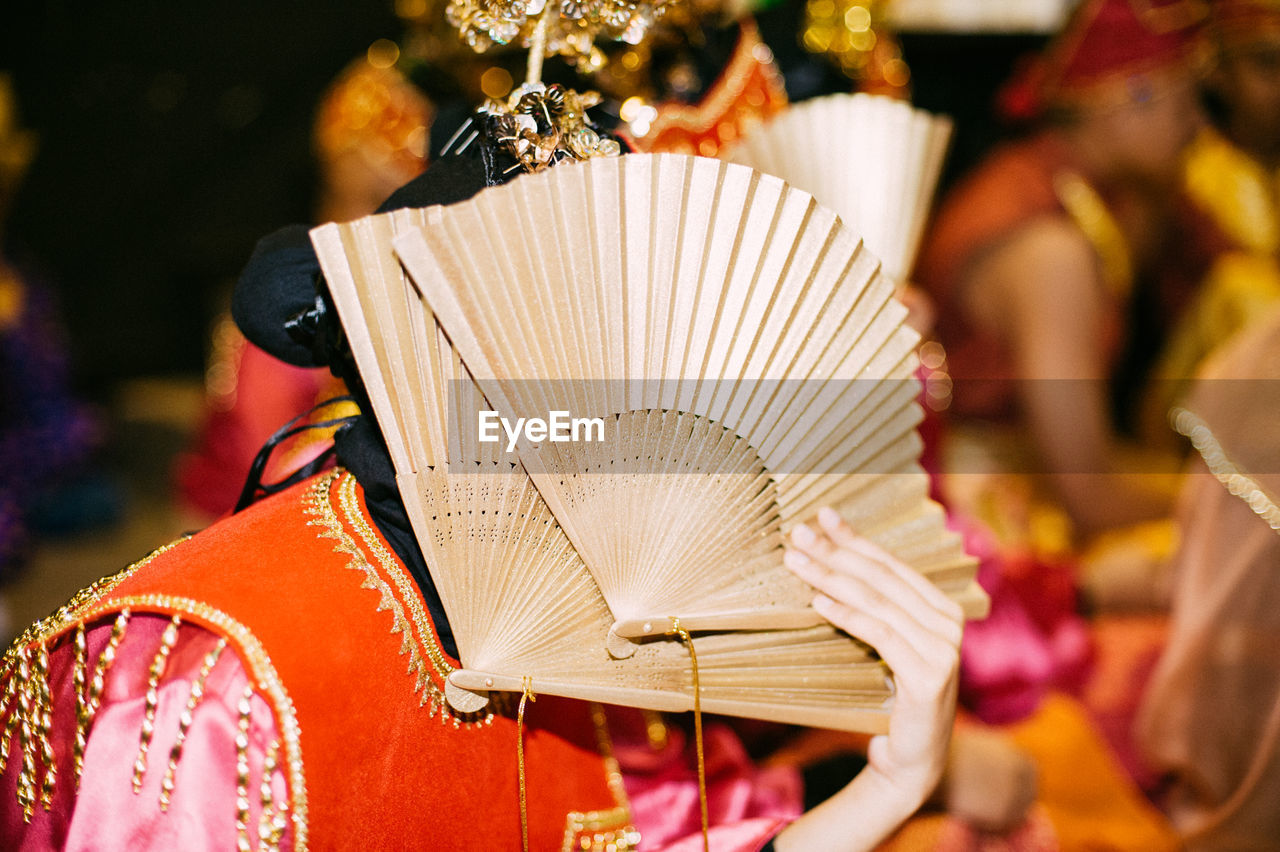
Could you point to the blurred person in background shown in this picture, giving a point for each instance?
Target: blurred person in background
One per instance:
(1233, 183)
(1036, 256)
(1043, 261)
(1210, 720)
(370, 137)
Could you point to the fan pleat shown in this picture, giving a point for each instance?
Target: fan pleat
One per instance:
(720, 294)
(749, 365)
(874, 160)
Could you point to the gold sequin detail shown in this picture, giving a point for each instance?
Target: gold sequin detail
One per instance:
(271, 824)
(261, 671)
(427, 662)
(79, 683)
(156, 672)
(1224, 469)
(72, 612)
(184, 723)
(91, 604)
(28, 707)
(245, 709)
(85, 714)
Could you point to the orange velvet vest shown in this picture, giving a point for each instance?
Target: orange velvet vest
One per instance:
(334, 633)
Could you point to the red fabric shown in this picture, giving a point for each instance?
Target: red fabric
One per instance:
(1102, 42)
(750, 90)
(379, 765)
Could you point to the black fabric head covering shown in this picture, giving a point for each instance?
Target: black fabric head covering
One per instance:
(282, 305)
(278, 303)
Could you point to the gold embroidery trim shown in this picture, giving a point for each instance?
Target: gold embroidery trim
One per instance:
(726, 92)
(86, 712)
(244, 712)
(72, 611)
(262, 674)
(185, 720)
(155, 673)
(271, 824)
(427, 663)
(1215, 457)
(599, 831)
(26, 700)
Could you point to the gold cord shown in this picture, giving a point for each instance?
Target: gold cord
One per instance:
(524, 810)
(697, 728)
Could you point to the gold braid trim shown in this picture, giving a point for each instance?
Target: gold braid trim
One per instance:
(262, 678)
(427, 662)
(27, 700)
(71, 613)
(1215, 457)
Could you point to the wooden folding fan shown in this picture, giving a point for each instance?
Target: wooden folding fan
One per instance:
(747, 358)
(524, 609)
(872, 159)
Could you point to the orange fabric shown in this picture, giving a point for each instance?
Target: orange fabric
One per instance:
(937, 832)
(1092, 804)
(380, 766)
(1011, 188)
(1085, 802)
(748, 92)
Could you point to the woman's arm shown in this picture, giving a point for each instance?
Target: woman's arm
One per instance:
(916, 629)
(1044, 294)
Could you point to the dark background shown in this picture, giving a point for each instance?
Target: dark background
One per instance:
(173, 135)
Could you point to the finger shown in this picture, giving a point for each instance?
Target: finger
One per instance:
(899, 654)
(888, 584)
(925, 674)
(899, 607)
(835, 527)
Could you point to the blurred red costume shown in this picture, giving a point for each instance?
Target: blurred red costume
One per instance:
(324, 720)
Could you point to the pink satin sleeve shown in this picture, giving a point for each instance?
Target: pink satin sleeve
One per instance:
(105, 812)
(746, 806)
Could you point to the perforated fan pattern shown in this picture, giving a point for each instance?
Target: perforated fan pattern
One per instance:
(689, 500)
(681, 284)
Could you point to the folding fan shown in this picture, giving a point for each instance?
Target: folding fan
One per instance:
(744, 354)
(874, 160)
(521, 603)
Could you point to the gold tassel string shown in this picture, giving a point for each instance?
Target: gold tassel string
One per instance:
(697, 727)
(524, 809)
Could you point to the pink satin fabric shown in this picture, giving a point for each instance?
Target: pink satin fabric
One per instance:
(746, 805)
(106, 813)
(1032, 642)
